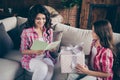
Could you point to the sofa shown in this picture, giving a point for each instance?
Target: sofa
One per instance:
(10, 67)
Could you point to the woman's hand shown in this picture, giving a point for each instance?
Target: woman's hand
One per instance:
(82, 69)
(39, 52)
(33, 52)
(53, 50)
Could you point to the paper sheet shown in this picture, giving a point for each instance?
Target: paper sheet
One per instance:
(40, 45)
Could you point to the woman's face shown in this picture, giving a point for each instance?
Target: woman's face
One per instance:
(40, 20)
(94, 35)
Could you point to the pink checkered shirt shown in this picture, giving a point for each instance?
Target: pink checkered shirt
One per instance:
(27, 38)
(103, 62)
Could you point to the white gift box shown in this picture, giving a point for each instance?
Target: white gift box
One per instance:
(68, 60)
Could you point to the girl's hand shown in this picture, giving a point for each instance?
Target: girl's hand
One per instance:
(82, 69)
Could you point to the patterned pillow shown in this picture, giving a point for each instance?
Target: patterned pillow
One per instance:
(15, 35)
(6, 43)
(21, 20)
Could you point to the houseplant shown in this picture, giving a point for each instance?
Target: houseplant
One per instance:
(71, 3)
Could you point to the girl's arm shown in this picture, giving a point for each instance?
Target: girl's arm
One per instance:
(84, 70)
(98, 74)
(106, 62)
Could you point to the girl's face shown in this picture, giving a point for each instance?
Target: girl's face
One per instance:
(94, 35)
(40, 20)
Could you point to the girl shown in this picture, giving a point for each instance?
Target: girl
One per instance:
(101, 55)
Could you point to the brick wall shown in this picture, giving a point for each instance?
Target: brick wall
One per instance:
(84, 15)
(69, 15)
(73, 14)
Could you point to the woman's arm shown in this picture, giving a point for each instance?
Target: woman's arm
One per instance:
(25, 43)
(32, 51)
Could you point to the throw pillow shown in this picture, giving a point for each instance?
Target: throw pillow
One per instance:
(21, 20)
(6, 43)
(9, 23)
(57, 36)
(52, 11)
(15, 35)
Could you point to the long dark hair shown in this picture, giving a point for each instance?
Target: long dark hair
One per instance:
(103, 29)
(34, 11)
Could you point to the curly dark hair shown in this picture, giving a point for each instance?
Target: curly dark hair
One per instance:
(34, 11)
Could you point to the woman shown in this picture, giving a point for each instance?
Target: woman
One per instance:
(37, 61)
(101, 55)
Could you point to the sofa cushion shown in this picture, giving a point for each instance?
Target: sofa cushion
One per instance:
(21, 20)
(57, 75)
(51, 10)
(15, 55)
(15, 35)
(9, 69)
(56, 19)
(116, 38)
(75, 36)
(72, 35)
(57, 36)
(6, 43)
(9, 23)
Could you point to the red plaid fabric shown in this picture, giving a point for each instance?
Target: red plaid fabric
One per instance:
(27, 38)
(103, 61)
